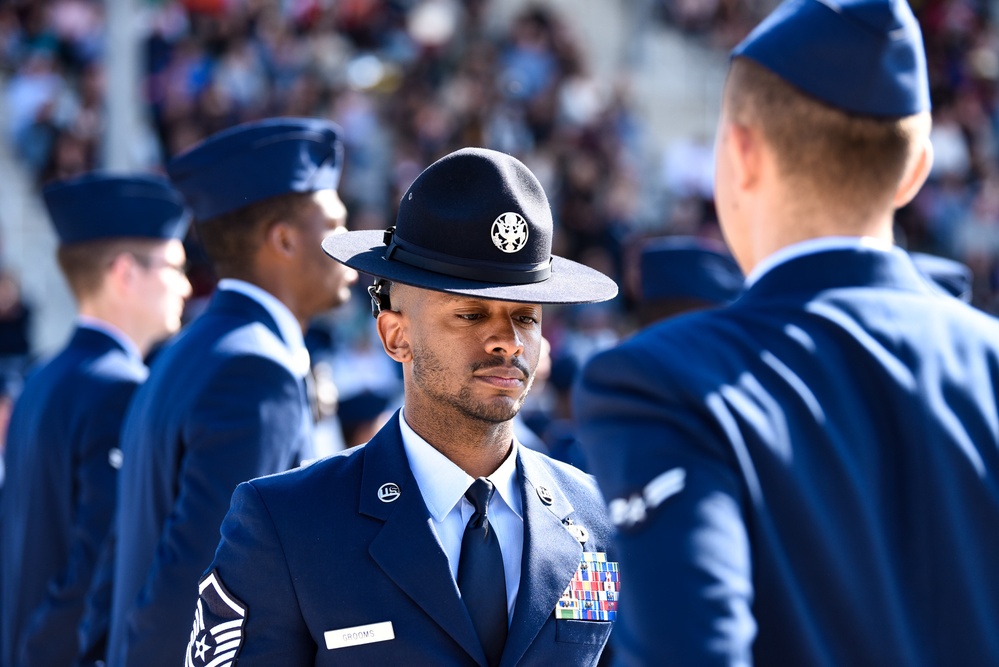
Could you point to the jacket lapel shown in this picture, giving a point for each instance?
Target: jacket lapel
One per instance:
(406, 547)
(551, 554)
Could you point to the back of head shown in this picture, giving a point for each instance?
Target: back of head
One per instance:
(99, 216)
(241, 180)
(840, 92)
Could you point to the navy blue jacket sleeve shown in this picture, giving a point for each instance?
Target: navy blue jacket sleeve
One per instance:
(662, 459)
(96, 621)
(93, 505)
(250, 562)
(240, 428)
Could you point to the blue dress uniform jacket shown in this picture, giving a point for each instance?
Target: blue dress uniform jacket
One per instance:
(353, 559)
(222, 405)
(807, 477)
(60, 493)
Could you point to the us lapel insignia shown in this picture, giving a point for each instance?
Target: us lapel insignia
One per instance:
(593, 592)
(389, 492)
(219, 620)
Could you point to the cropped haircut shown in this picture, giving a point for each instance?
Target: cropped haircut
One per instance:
(232, 239)
(842, 160)
(86, 264)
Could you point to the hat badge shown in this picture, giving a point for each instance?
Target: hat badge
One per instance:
(509, 232)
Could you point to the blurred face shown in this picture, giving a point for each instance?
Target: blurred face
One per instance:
(325, 283)
(162, 288)
(474, 356)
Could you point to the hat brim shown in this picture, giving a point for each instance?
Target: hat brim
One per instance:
(570, 282)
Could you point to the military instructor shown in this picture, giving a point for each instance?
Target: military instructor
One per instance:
(442, 540)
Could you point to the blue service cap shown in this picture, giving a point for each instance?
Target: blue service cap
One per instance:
(99, 206)
(684, 267)
(254, 161)
(362, 407)
(860, 56)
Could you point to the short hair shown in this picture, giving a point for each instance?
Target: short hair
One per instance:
(232, 239)
(833, 157)
(86, 264)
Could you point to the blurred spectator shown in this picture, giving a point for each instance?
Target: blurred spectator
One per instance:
(681, 274)
(362, 415)
(15, 323)
(15, 351)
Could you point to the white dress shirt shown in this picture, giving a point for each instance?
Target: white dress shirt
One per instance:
(291, 330)
(443, 486)
(109, 329)
(812, 246)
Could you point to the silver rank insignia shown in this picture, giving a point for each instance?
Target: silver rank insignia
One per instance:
(219, 620)
(628, 512)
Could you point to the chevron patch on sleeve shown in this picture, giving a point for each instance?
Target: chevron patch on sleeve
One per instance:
(219, 620)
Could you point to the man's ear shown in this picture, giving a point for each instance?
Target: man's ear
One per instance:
(393, 331)
(122, 272)
(745, 151)
(283, 238)
(916, 173)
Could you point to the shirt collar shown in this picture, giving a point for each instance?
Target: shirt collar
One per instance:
(291, 330)
(111, 330)
(812, 246)
(443, 484)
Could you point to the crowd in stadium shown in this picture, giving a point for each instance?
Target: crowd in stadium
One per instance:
(410, 81)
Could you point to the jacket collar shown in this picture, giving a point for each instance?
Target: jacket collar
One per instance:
(832, 269)
(242, 306)
(101, 340)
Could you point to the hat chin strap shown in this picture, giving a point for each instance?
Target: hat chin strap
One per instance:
(486, 272)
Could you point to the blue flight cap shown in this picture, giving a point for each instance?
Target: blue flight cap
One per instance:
(362, 407)
(259, 160)
(684, 267)
(98, 206)
(951, 276)
(860, 56)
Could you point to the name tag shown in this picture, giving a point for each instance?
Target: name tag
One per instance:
(360, 634)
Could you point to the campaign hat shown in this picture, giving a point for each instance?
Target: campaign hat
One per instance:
(249, 163)
(101, 205)
(864, 57)
(476, 223)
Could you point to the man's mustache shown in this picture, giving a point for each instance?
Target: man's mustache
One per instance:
(516, 362)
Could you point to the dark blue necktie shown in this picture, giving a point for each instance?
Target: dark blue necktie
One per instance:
(480, 573)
